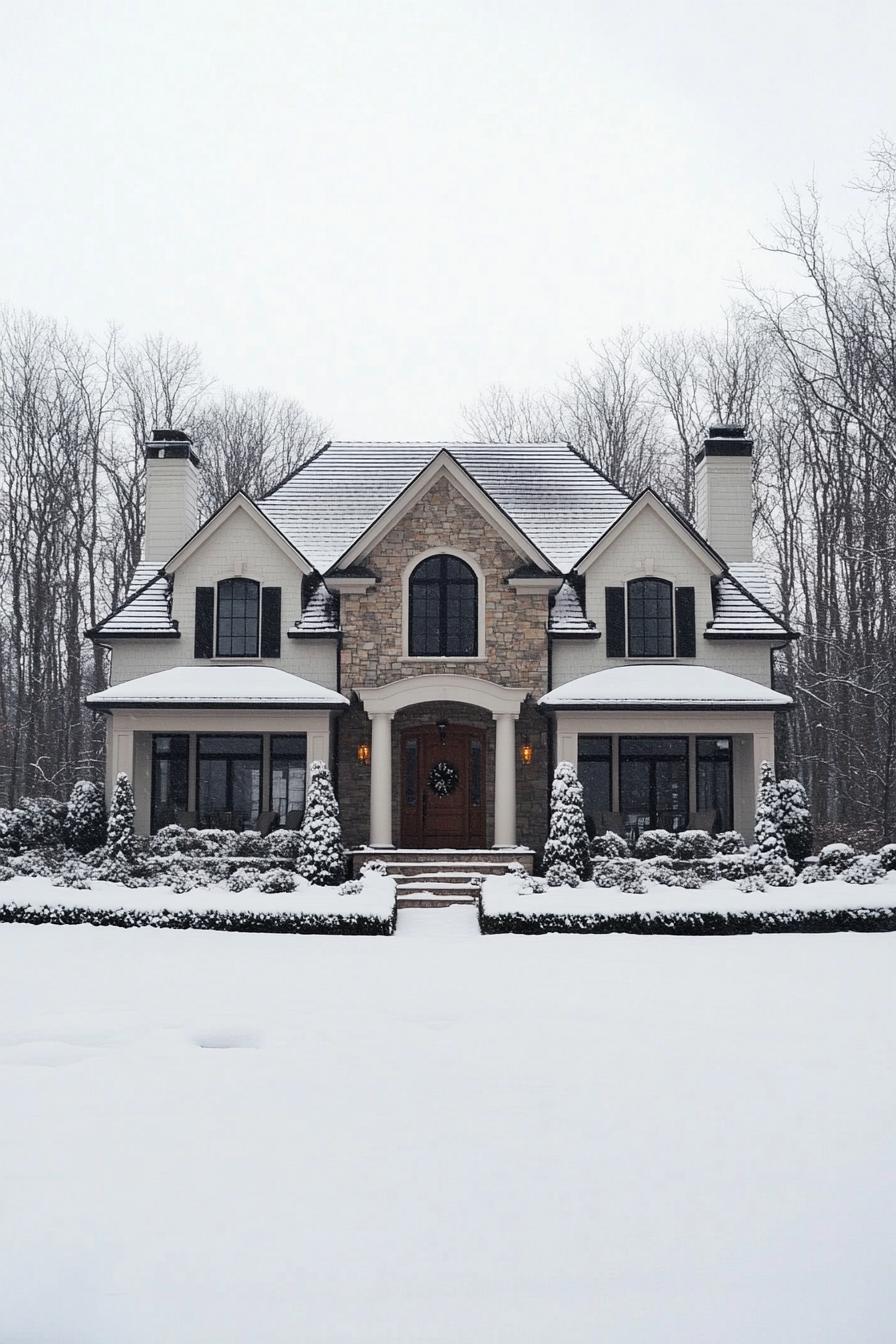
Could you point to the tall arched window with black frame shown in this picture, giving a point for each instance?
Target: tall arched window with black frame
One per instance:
(650, 633)
(443, 598)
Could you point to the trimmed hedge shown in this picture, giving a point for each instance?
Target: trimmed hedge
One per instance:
(862, 919)
(221, 921)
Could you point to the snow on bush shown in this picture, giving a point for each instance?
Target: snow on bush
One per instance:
(695, 845)
(40, 822)
(864, 869)
(84, 823)
(377, 866)
(121, 843)
(609, 846)
(773, 859)
(283, 845)
(649, 844)
(322, 858)
(887, 856)
(752, 882)
(795, 819)
(561, 874)
(836, 857)
(276, 880)
(567, 841)
(730, 842)
(248, 844)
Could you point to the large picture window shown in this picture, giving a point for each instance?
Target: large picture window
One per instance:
(714, 779)
(595, 764)
(288, 753)
(653, 783)
(170, 774)
(443, 609)
(650, 619)
(238, 618)
(229, 780)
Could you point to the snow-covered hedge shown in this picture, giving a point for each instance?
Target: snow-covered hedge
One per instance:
(360, 907)
(507, 905)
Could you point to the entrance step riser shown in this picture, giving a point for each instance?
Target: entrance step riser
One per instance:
(417, 863)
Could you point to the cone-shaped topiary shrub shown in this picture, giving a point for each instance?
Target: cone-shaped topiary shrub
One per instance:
(567, 841)
(322, 857)
(121, 844)
(84, 824)
(796, 820)
(774, 863)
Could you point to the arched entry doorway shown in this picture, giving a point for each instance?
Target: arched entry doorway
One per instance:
(442, 786)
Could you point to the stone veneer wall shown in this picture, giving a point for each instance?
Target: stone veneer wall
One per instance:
(515, 654)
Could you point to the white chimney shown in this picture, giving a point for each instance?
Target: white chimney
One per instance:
(724, 482)
(172, 494)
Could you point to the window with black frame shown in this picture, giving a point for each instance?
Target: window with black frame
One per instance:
(443, 610)
(229, 780)
(714, 779)
(653, 783)
(170, 778)
(650, 619)
(594, 767)
(288, 761)
(238, 604)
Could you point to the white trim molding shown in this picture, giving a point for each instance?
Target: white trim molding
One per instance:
(406, 573)
(462, 690)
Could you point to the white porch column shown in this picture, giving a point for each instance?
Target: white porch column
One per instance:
(381, 781)
(122, 752)
(505, 780)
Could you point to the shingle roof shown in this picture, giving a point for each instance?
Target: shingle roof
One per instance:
(744, 603)
(567, 615)
(552, 495)
(146, 609)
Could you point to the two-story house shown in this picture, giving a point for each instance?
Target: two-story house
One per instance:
(443, 623)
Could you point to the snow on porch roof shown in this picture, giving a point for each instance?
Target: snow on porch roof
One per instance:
(242, 686)
(663, 686)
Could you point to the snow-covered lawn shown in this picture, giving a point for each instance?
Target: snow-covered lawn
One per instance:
(216, 1138)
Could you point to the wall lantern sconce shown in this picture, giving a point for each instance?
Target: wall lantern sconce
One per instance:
(442, 728)
(526, 753)
(364, 753)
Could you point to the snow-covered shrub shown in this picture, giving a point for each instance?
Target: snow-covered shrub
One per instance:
(248, 844)
(241, 879)
(350, 888)
(84, 824)
(734, 866)
(283, 845)
(615, 872)
(74, 873)
(753, 882)
(686, 878)
(567, 841)
(10, 831)
(815, 872)
(40, 822)
(276, 880)
(42, 862)
(376, 868)
(184, 878)
(322, 860)
(633, 882)
(695, 845)
(774, 863)
(513, 870)
(121, 843)
(609, 846)
(730, 842)
(836, 857)
(169, 840)
(887, 856)
(864, 869)
(6, 873)
(561, 874)
(796, 820)
(649, 844)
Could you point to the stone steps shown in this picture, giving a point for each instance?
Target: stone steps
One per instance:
(437, 877)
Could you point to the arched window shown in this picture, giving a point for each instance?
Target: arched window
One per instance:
(237, 618)
(443, 610)
(650, 619)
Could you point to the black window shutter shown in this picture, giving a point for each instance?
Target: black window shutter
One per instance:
(615, 600)
(270, 622)
(204, 634)
(685, 624)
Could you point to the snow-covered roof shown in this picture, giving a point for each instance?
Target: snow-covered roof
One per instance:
(548, 491)
(744, 605)
(567, 616)
(321, 614)
(146, 609)
(664, 686)
(194, 686)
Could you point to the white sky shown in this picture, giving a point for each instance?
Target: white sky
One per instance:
(380, 208)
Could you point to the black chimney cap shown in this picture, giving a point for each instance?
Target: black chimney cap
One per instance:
(725, 441)
(173, 443)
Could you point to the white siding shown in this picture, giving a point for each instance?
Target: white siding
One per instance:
(172, 506)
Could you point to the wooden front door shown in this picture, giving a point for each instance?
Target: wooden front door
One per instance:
(442, 787)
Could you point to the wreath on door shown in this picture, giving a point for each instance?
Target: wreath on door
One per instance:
(443, 778)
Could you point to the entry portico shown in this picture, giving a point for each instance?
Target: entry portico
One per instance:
(383, 702)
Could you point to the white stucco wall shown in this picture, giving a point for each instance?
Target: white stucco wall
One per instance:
(172, 506)
(724, 489)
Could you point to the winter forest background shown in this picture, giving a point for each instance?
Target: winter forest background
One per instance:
(811, 369)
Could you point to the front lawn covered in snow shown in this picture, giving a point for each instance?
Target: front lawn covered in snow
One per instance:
(440, 1137)
(514, 905)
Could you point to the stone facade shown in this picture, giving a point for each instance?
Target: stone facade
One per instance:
(513, 651)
